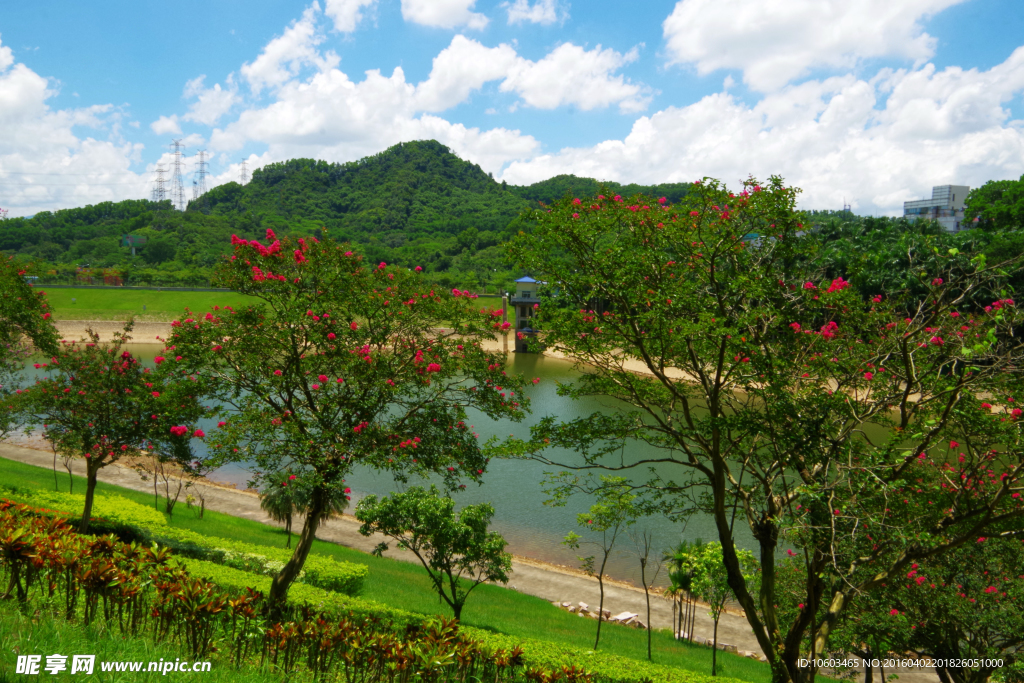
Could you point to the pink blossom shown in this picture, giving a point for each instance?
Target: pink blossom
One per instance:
(837, 285)
(936, 282)
(456, 292)
(291, 477)
(222, 424)
(354, 325)
(382, 266)
(271, 235)
(937, 341)
(868, 376)
(418, 268)
(315, 387)
(156, 394)
(277, 373)
(953, 444)
(575, 215)
(536, 380)
(795, 326)
(348, 253)
(433, 367)
(893, 612)
(158, 360)
(809, 285)
(662, 200)
(790, 552)
(331, 335)
(877, 298)
(299, 257)
(199, 433)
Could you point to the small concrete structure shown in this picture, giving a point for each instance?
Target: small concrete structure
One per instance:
(524, 301)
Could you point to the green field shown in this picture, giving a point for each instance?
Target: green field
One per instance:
(405, 586)
(119, 304)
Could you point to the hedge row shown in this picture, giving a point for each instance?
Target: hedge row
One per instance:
(606, 668)
(115, 509)
(319, 570)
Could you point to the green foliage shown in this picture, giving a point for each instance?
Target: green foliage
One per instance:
(343, 364)
(768, 396)
(318, 570)
(458, 552)
(998, 204)
(116, 509)
(561, 186)
(97, 402)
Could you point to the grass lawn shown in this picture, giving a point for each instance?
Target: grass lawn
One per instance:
(118, 304)
(405, 585)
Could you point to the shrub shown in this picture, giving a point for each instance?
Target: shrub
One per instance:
(115, 509)
(322, 572)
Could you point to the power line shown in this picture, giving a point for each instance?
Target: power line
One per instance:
(159, 191)
(177, 182)
(199, 182)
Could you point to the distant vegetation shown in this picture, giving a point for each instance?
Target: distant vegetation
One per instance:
(413, 204)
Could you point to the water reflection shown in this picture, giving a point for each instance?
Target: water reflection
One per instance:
(513, 487)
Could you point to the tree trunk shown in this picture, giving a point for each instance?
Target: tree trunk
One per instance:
(714, 652)
(279, 586)
(869, 676)
(90, 490)
(647, 596)
(288, 528)
(56, 486)
(600, 608)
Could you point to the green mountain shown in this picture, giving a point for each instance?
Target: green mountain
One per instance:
(416, 203)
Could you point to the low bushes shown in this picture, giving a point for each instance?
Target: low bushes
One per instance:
(141, 592)
(320, 571)
(115, 509)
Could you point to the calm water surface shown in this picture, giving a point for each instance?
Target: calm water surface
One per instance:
(513, 487)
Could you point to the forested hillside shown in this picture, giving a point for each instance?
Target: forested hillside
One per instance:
(414, 204)
(417, 203)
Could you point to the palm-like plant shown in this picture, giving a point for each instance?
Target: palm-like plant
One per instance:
(680, 574)
(285, 498)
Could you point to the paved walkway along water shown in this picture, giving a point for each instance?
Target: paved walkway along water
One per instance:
(528, 576)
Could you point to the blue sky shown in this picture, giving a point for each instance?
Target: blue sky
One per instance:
(871, 101)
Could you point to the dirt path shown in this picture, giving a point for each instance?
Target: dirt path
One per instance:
(531, 577)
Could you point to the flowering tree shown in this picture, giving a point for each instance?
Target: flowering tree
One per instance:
(98, 402)
(343, 364)
(868, 437)
(24, 317)
(456, 550)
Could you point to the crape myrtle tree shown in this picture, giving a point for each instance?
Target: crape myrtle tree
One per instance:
(457, 550)
(24, 322)
(343, 364)
(963, 608)
(97, 402)
(825, 420)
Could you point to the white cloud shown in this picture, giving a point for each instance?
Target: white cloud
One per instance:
(166, 125)
(571, 75)
(346, 14)
(568, 75)
(459, 69)
(443, 13)
(211, 103)
(284, 56)
(543, 12)
(873, 142)
(44, 165)
(776, 41)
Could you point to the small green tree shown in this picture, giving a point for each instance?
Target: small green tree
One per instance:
(711, 582)
(284, 497)
(642, 543)
(614, 512)
(97, 402)
(457, 551)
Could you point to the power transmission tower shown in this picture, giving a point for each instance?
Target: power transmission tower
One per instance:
(244, 177)
(3, 214)
(199, 184)
(159, 191)
(177, 181)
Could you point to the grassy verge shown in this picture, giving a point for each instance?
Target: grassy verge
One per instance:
(35, 634)
(405, 586)
(118, 304)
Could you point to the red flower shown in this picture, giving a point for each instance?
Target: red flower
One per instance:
(809, 285)
(291, 477)
(277, 373)
(868, 376)
(222, 424)
(199, 433)
(322, 378)
(156, 394)
(433, 367)
(354, 325)
(331, 335)
(158, 360)
(893, 612)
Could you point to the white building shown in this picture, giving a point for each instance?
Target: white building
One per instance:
(946, 207)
